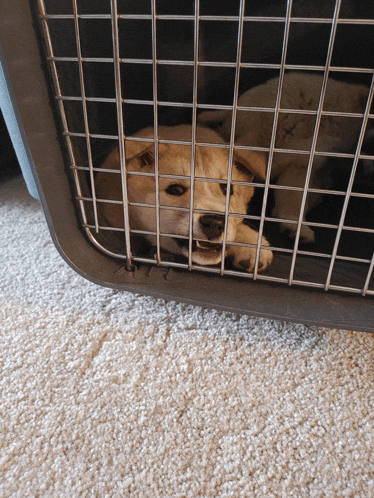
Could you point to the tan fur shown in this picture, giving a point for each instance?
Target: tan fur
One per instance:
(295, 131)
(208, 196)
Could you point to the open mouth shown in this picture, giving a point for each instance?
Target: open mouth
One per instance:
(203, 246)
(206, 246)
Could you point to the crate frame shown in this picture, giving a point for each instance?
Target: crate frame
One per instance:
(159, 279)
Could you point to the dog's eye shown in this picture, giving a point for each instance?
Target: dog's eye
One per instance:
(224, 188)
(176, 189)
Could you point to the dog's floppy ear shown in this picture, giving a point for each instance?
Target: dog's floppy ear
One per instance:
(253, 161)
(144, 152)
(146, 157)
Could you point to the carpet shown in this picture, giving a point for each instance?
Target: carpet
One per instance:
(112, 394)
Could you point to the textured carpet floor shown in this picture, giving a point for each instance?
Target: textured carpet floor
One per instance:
(111, 394)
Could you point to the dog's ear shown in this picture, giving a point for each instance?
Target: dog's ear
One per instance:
(145, 158)
(253, 161)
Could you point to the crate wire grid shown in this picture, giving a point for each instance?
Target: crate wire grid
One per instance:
(238, 65)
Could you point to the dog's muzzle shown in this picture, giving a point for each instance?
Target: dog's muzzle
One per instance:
(206, 251)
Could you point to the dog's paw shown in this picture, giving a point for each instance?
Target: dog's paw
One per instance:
(307, 235)
(244, 258)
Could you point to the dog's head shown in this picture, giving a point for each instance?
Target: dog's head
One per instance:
(174, 190)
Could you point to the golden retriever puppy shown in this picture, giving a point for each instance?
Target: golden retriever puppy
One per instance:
(295, 132)
(211, 163)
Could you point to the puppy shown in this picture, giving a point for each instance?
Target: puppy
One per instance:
(295, 131)
(209, 196)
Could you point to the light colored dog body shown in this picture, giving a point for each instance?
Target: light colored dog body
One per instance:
(209, 196)
(295, 132)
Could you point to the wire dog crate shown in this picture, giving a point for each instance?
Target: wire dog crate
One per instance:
(112, 69)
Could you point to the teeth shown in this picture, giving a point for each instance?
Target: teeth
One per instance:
(207, 246)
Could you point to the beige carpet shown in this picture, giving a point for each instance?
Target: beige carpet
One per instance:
(111, 394)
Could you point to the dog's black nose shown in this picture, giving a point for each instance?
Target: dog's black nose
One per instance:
(212, 225)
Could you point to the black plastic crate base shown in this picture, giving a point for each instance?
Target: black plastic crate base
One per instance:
(348, 302)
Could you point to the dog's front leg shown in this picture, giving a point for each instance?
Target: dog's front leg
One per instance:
(244, 257)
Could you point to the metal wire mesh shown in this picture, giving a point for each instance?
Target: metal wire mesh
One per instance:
(335, 268)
